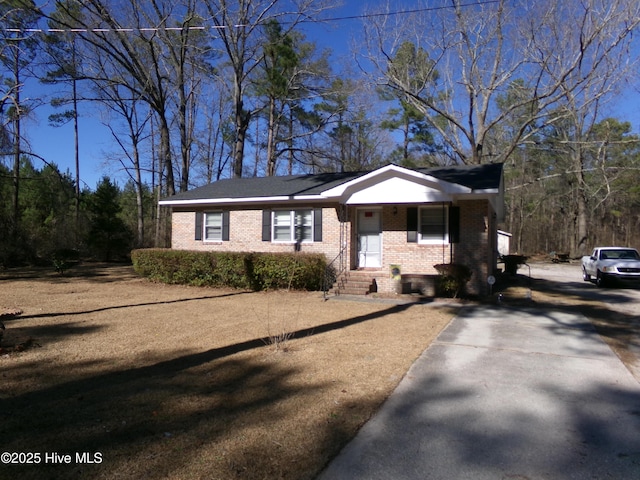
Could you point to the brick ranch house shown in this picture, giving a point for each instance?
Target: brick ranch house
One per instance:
(387, 224)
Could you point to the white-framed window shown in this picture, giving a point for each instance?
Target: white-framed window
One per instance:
(433, 224)
(292, 226)
(213, 222)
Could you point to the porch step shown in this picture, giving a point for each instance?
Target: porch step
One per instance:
(355, 282)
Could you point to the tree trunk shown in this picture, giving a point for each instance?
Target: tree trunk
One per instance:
(76, 137)
(17, 132)
(241, 124)
(139, 196)
(581, 232)
(271, 139)
(581, 224)
(165, 154)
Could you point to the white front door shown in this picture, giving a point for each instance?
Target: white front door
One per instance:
(369, 239)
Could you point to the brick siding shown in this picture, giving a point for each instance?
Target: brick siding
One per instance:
(474, 250)
(245, 234)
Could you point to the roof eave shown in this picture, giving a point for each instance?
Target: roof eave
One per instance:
(242, 200)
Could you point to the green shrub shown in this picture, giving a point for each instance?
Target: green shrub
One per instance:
(287, 271)
(64, 258)
(452, 280)
(257, 271)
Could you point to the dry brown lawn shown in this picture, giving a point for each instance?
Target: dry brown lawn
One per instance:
(183, 383)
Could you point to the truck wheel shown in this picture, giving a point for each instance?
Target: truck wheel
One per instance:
(600, 280)
(585, 276)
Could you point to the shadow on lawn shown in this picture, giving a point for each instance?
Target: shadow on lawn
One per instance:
(155, 421)
(152, 421)
(98, 272)
(129, 305)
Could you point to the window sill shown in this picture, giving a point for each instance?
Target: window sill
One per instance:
(289, 242)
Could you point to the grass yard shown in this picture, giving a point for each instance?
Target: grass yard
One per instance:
(188, 383)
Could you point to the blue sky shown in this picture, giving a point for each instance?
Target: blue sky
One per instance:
(56, 144)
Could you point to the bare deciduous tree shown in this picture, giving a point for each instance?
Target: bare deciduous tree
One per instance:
(150, 49)
(239, 27)
(480, 51)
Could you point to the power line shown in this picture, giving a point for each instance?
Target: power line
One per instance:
(403, 12)
(112, 30)
(221, 27)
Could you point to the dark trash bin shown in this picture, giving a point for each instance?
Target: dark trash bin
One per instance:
(512, 262)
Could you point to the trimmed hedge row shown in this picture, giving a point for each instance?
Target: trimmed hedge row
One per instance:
(255, 271)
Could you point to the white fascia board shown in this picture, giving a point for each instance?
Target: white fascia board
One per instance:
(348, 189)
(227, 201)
(486, 191)
(479, 195)
(340, 189)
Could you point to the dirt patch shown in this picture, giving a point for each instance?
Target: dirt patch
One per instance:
(157, 381)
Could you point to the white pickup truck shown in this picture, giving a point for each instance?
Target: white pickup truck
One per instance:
(611, 263)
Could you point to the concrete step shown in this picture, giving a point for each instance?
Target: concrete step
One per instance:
(352, 291)
(354, 282)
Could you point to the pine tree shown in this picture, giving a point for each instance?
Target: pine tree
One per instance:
(109, 237)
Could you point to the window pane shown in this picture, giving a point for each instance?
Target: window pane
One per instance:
(282, 226)
(214, 219)
(213, 226)
(303, 234)
(304, 225)
(432, 223)
(293, 226)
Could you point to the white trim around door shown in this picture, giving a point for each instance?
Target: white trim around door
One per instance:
(369, 237)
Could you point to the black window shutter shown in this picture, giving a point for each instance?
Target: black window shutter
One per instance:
(412, 224)
(225, 226)
(198, 232)
(454, 224)
(317, 225)
(266, 225)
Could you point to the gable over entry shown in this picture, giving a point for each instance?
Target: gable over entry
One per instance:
(393, 184)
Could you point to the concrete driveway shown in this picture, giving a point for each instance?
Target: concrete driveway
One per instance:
(622, 303)
(505, 393)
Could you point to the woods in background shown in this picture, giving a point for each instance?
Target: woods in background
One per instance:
(195, 91)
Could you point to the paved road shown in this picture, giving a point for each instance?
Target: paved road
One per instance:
(506, 393)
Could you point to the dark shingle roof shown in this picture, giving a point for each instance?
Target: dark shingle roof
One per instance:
(268, 186)
(476, 177)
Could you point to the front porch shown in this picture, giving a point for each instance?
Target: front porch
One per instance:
(367, 281)
(388, 249)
